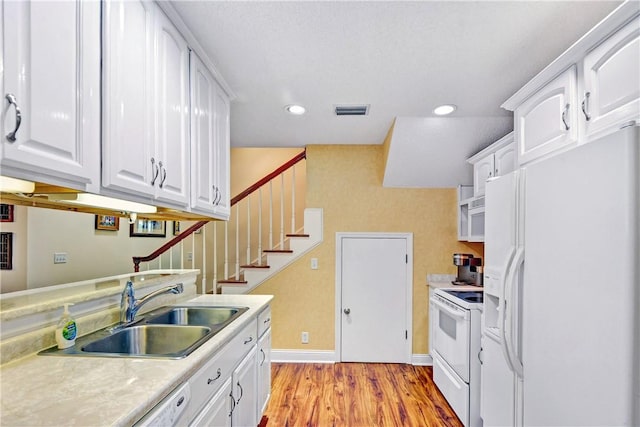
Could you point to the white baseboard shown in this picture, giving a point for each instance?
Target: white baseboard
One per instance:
(303, 356)
(329, 356)
(422, 360)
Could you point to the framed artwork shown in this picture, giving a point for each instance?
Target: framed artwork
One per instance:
(107, 222)
(6, 251)
(6, 213)
(147, 228)
(177, 228)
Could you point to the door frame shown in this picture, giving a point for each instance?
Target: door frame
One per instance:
(408, 237)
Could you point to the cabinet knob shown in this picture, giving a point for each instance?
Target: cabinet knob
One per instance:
(347, 311)
(11, 136)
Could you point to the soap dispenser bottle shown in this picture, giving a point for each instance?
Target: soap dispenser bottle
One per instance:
(66, 329)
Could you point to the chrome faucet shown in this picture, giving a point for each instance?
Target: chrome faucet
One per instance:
(129, 305)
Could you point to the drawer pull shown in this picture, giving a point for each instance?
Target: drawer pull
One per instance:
(247, 341)
(267, 320)
(210, 380)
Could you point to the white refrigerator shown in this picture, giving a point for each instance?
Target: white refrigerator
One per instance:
(561, 335)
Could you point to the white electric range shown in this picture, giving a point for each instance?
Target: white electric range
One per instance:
(456, 330)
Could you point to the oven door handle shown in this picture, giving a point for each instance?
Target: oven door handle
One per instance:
(460, 314)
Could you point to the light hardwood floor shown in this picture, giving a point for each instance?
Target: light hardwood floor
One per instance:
(355, 395)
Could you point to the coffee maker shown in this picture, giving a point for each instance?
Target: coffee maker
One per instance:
(469, 270)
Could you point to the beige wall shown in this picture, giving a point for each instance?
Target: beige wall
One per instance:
(346, 181)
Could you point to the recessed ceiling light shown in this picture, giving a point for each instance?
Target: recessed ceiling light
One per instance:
(295, 109)
(443, 110)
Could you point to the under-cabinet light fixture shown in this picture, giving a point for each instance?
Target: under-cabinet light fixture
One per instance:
(14, 185)
(94, 200)
(444, 110)
(295, 109)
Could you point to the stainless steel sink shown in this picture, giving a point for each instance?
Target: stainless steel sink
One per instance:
(170, 332)
(159, 340)
(200, 316)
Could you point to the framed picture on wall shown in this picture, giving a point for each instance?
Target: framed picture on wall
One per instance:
(147, 228)
(176, 228)
(6, 213)
(107, 222)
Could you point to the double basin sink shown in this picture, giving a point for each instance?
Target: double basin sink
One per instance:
(170, 332)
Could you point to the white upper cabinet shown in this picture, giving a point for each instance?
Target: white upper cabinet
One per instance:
(172, 109)
(482, 170)
(209, 143)
(591, 90)
(145, 104)
(495, 160)
(612, 81)
(547, 121)
(51, 76)
(128, 162)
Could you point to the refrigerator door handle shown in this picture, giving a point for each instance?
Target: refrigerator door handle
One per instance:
(502, 308)
(509, 322)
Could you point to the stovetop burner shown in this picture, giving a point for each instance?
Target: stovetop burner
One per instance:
(468, 296)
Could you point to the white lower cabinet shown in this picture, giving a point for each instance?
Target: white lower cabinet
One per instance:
(244, 394)
(264, 371)
(217, 411)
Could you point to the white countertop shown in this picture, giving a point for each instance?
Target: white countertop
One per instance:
(449, 285)
(96, 391)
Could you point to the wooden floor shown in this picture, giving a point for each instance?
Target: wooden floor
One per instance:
(355, 395)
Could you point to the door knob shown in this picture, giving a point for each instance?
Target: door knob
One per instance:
(347, 310)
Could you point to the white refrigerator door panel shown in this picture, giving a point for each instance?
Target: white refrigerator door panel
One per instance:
(580, 351)
(498, 393)
(500, 230)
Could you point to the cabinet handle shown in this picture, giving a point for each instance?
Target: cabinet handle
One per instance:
(264, 357)
(241, 393)
(267, 320)
(11, 136)
(585, 106)
(210, 380)
(157, 171)
(248, 340)
(233, 403)
(218, 195)
(164, 174)
(564, 116)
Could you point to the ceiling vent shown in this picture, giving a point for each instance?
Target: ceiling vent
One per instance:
(352, 110)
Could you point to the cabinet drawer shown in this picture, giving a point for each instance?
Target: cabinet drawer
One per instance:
(215, 372)
(264, 321)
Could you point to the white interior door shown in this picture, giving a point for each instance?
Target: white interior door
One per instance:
(374, 303)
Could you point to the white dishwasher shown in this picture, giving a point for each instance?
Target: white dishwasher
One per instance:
(169, 411)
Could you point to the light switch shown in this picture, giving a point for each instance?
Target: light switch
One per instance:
(314, 263)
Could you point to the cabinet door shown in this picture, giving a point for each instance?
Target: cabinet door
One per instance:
(547, 121)
(611, 82)
(221, 155)
(244, 391)
(482, 170)
(172, 108)
(217, 411)
(209, 143)
(128, 162)
(264, 372)
(51, 62)
(504, 160)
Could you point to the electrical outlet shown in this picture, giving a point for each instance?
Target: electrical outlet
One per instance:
(314, 263)
(305, 338)
(59, 257)
(189, 256)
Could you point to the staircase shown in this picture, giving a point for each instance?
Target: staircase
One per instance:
(248, 232)
(274, 260)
